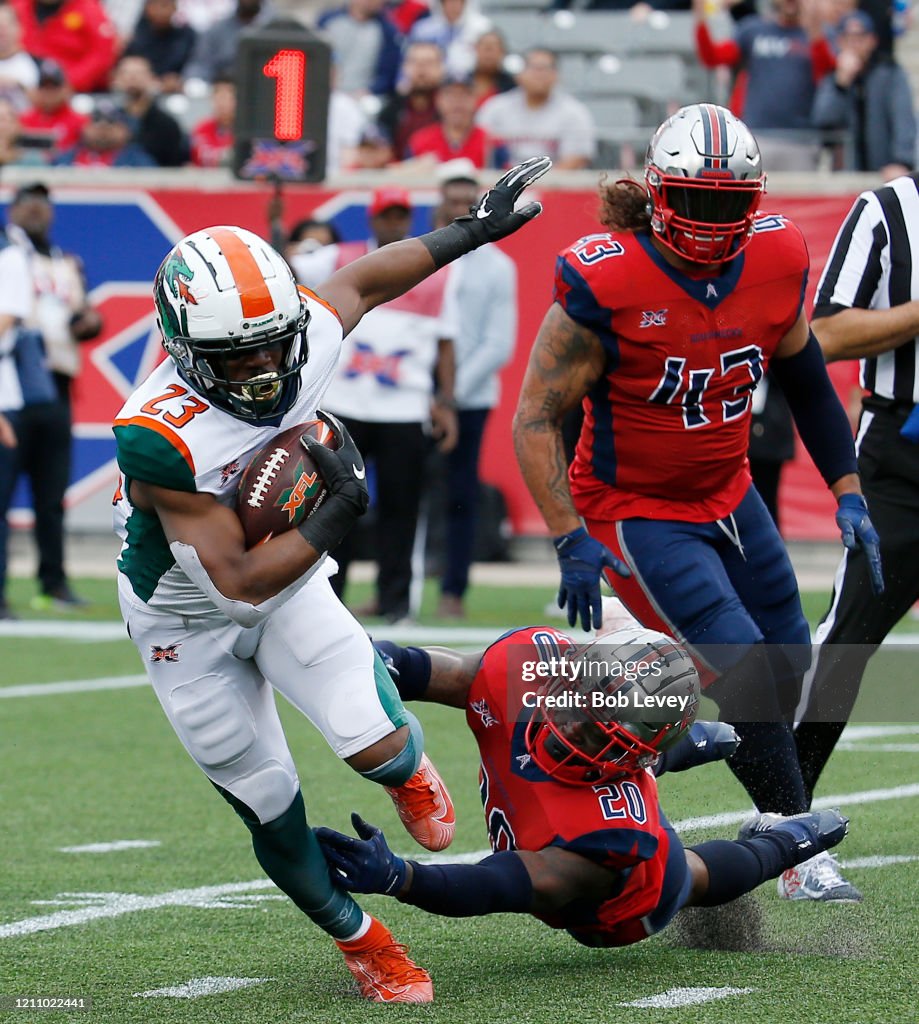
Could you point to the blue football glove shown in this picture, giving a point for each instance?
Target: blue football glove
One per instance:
(858, 532)
(582, 561)
(705, 742)
(910, 429)
(362, 865)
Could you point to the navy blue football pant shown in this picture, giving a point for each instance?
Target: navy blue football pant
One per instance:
(462, 500)
(727, 590)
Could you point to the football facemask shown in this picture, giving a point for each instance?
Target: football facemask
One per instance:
(222, 294)
(704, 176)
(622, 715)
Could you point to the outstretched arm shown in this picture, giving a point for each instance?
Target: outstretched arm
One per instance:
(522, 882)
(391, 271)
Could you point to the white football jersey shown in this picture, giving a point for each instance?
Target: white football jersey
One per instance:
(170, 435)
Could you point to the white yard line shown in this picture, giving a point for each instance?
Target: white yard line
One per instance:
(883, 748)
(197, 987)
(675, 997)
(96, 906)
(878, 862)
(843, 800)
(73, 686)
(53, 629)
(93, 632)
(93, 906)
(112, 847)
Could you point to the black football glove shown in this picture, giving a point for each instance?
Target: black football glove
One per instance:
(347, 498)
(492, 218)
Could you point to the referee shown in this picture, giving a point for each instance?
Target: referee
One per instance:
(867, 309)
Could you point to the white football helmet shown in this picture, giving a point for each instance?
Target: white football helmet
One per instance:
(221, 293)
(705, 178)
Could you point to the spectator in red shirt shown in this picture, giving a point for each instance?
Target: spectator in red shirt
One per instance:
(51, 116)
(76, 33)
(212, 139)
(456, 134)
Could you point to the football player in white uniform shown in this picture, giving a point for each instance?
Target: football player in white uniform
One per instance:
(220, 627)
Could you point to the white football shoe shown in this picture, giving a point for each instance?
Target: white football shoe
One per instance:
(817, 879)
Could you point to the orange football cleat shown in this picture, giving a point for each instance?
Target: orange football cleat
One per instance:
(425, 807)
(382, 969)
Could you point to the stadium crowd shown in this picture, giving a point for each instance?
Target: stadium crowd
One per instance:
(152, 82)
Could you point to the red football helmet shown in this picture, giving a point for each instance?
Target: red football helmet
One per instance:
(619, 722)
(705, 178)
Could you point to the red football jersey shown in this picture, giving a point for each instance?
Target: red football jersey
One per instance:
(616, 824)
(666, 428)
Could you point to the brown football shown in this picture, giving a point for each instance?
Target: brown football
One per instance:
(281, 486)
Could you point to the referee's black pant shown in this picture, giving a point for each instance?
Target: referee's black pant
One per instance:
(857, 618)
(398, 452)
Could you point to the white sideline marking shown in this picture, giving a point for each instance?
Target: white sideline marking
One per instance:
(878, 862)
(198, 987)
(844, 800)
(112, 847)
(674, 997)
(74, 686)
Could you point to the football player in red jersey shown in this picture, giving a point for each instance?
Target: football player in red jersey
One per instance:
(661, 328)
(569, 791)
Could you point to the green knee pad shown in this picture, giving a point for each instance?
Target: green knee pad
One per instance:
(402, 767)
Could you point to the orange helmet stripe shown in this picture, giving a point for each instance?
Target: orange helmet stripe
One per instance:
(254, 295)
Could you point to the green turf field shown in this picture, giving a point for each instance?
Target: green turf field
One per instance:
(95, 767)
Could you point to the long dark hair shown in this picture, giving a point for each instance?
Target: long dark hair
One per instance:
(624, 205)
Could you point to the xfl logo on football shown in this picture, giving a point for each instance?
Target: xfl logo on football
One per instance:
(292, 499)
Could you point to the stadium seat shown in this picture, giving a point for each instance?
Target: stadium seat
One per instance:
(614, 115)
(659, 79)
(523, 29)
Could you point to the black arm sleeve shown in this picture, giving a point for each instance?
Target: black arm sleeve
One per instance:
(818, 413)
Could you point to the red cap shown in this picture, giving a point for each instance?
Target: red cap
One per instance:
(387, 198)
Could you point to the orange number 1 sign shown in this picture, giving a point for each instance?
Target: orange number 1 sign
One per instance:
(287, 66)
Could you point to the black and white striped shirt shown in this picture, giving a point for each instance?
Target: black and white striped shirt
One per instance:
(872, 266)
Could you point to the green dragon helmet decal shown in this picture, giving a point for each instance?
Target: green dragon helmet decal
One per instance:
(203, 307)
(172, 279)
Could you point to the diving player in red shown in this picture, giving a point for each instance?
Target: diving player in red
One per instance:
(661, 328)
(569, 791)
